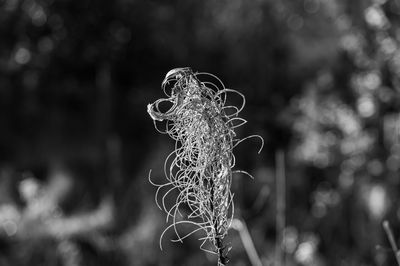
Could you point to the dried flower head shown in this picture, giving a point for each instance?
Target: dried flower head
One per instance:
(199, 170)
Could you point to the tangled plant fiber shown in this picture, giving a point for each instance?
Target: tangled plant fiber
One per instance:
(199, 170)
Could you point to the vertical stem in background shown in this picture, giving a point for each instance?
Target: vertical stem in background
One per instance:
(280, 207)
(114, 157)
(397, 133)
(104, 102)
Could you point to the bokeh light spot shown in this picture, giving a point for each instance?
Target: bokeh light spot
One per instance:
(366, 106)
(295, 22)
(311, 6)
(22, 56)
(10, 227)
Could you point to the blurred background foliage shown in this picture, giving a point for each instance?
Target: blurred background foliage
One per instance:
(322, 81)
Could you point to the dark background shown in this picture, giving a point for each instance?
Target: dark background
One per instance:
(321, 79)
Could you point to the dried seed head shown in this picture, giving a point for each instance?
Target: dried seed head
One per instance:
(199, 170)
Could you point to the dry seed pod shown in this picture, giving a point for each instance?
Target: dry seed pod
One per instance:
(199, 170)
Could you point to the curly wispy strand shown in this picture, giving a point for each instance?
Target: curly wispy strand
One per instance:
(199, 170)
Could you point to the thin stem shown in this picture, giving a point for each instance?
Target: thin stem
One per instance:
(280, 207)
(222, 258)
(240, 226)
(392, 241)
